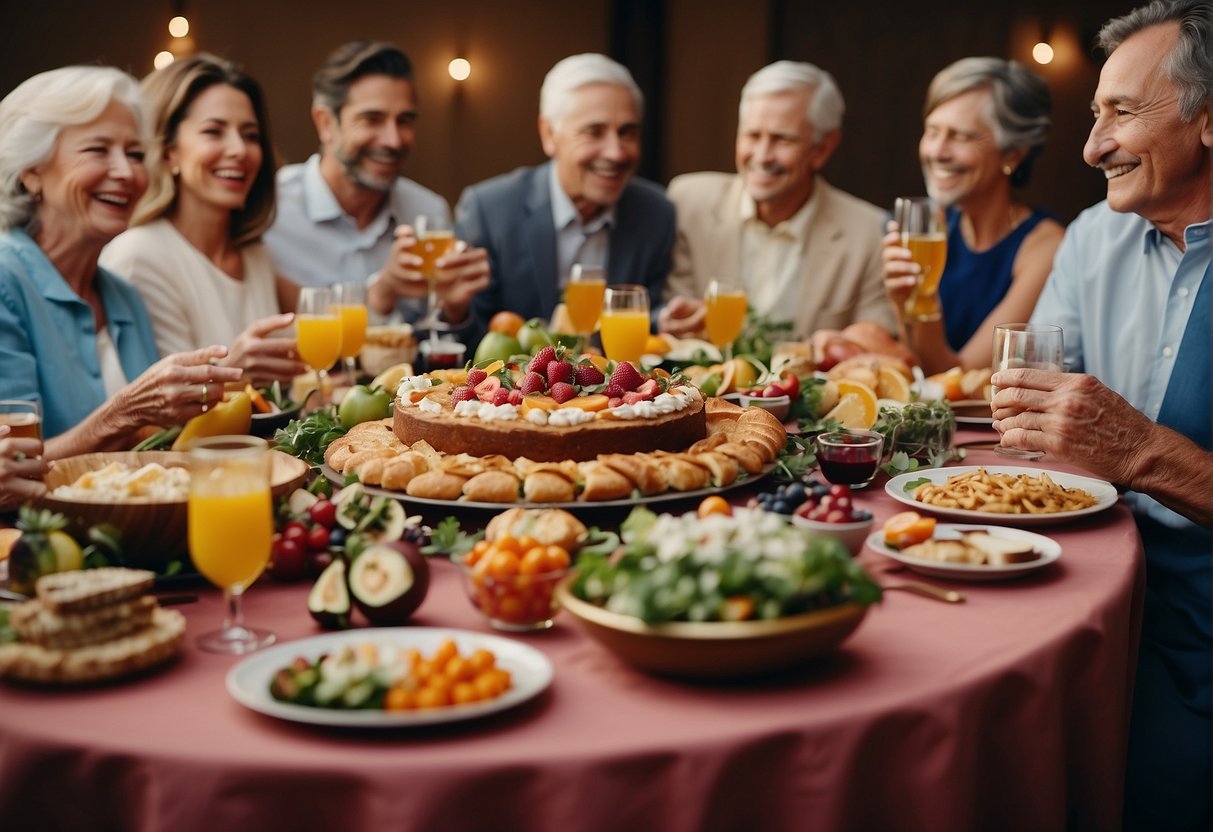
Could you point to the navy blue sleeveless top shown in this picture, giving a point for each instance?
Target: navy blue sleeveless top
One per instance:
(974, 283)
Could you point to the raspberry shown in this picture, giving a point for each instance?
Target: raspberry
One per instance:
(626, 376)
(559, 371)
(501, 395)
(475, 376)
(614, 391)
(532, 383)
(463, 393)
(562, 391)
(587, 375)
(539, 364)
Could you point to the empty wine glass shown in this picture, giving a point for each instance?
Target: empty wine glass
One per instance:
(1034, 346)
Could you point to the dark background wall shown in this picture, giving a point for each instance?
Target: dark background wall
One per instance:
(690, 56)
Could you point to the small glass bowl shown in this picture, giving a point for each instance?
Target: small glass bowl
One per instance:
(515, 603)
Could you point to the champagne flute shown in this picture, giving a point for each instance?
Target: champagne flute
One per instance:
(625, 322)
(726, 308)
(1035, 346)
(924, 231)
(583, 298)
(435, 238)
(318, 333)
(231, 524)
(351, 309)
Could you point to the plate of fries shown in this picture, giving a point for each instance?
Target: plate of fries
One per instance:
(1002, 494)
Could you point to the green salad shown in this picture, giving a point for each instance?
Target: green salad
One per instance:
(751, 565)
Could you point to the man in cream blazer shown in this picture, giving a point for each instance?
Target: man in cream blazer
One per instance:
(802, 250)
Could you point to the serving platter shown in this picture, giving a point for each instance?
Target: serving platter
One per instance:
(1048, 549)
(249, 681)
(1104, 493)
(571, 505)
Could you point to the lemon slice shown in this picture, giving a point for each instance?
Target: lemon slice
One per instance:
(856, 406)
(892, 385)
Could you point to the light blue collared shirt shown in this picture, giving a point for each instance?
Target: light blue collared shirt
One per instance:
(1122, 292)
(577, 242)
(315, 243)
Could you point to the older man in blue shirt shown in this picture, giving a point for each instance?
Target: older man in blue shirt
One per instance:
(1131, 289)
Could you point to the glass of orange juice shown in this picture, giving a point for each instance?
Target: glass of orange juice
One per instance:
(924, 231)
(230, 529)
(318, 332)
(583, 298)
(23, 417)
(350, 302)
(625, 322)
(726, 306)
(435, 239)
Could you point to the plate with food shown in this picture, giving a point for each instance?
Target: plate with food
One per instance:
(379, 678)
(1002, 494)
(972, 552)
(973, 412)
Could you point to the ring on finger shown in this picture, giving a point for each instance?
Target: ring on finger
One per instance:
(205, 404)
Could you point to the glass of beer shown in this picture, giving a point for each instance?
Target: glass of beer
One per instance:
(1035, 346)
(231, 524)
(924, 231)
(726, 306)
(625, 322)
(23, 417)
(583, 298)
(435, 239)
(350, 300)
(318, 332)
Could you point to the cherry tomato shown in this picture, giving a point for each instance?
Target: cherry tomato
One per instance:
(295, 530)
(288, 560)
(324, 513)
(317, 538)
(791, 384)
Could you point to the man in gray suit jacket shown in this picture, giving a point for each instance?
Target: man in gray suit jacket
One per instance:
(804, 251)
(583, 206)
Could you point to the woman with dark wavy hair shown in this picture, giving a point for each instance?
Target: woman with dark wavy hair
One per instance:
(194, 250)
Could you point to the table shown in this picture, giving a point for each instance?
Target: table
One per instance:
(1007, 712)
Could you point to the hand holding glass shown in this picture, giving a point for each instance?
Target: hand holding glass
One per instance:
(23, 417)
(625, 322)
(924, 231)
(1034, 346)
(318, 333)
(231, 524)
(435, 239)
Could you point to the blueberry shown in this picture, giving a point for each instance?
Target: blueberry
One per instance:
(795, 493)
(337, 537)
(782, 507)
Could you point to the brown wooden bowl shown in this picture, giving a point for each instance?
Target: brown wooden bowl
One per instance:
(714, 649)
(153, 534)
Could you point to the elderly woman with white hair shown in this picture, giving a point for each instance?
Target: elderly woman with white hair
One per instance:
(74, 336)
(985, 121)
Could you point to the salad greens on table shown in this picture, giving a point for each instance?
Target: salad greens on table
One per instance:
(307, 438)
(753, 564)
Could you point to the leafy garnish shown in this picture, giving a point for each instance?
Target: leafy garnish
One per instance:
(796, 459)
(913, 484)
(449, 538)
(308, 438)
(160, 440)
(274, 395)
(759, 336)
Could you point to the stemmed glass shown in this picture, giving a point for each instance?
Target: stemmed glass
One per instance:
(230, 528)
(350, 303)
(625, 322)
(924, 231)
(726, 306)
(318, 333)
(435, 238)
(583, 298)
(1035, 346)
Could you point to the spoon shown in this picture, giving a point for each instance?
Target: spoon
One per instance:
(948, 596)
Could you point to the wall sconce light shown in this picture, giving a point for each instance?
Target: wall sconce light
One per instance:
(1042, 53)
(163, 59)
(179, 27)
(460, 69)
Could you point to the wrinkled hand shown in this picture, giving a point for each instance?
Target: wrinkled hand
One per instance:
(173, 390)
(1072, 417)
(462, 274)
(21, 469)
(263, 359)
(682, 316)
(400, 276)
(900, 272)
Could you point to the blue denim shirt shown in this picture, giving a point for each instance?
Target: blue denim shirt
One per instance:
(48, 342)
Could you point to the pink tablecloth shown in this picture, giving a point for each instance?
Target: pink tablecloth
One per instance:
(1006, 712)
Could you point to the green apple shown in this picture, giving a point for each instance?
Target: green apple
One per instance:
(496, 346)
(534, 335)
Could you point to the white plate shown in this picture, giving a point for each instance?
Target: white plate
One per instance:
(966, 415)
(1049, 549)
(1103, 492)
(249, 681)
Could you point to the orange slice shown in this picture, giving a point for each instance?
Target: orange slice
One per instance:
(656, 345)
(892, 385)
(535, 401)
(856, 406)
(907, 528)
(587, 403)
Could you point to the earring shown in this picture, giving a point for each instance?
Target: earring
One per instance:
(174, 171)
(1007, 170)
